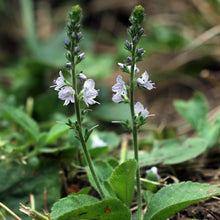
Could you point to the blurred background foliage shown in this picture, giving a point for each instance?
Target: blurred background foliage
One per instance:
(182, 44)
(183, 56)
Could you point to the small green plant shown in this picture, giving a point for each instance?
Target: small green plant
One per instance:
(115, 183)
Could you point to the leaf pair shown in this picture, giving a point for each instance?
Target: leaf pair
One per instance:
(119, 186)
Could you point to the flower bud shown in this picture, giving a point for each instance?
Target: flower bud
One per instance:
(129, 59)
(81, 56)
(69, 64)
(67, 41)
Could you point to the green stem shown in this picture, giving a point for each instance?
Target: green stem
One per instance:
(134, 131)
(91, 166)
(80, 133)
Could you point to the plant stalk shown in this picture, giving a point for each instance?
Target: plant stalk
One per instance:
(80, 133)
(134, 132)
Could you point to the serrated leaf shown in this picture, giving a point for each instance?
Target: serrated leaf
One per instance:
(174, 151)
(122, 181)
(24, 120)
(55, 132)
(87, 207)
(173, 198)
(193, 110)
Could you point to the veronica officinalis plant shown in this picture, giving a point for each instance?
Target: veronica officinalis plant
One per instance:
(139, 114)
(68, 91)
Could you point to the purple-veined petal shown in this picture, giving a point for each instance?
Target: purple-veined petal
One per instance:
(67, 93)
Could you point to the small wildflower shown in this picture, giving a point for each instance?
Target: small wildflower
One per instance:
(73, 34)
(90, 92)
(154, 171)
(67, 94)
(120, 89)
(82, 76)
(59, 83)
(140, 110)
(143, 81)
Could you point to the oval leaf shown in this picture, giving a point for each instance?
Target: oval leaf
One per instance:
(122, 181)
(88, 207)
(193, 110)
(173, 198)
(173, 151)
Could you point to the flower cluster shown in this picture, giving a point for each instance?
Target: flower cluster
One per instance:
(120, 93)
(68, 91)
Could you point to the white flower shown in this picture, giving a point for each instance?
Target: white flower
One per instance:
(67, 93)
(139, 109)
(154, 171)
(59, 82)
(90, 92)
(143, 81)
(120, 89)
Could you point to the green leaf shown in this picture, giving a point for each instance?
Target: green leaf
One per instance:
(193, 110)
(112, 161)
(83, 191)
(56, 131)
(109, 189)
(148, 195)
(209, 132)
(122, 181)
(24, 120)
(87, 207)
(173, 151)
(98, 151)
(103, 171)
(173, 198)
(17, 181)
(178, 152)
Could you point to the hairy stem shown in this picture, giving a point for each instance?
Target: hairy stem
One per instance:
(80, 133)
(134, 131)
